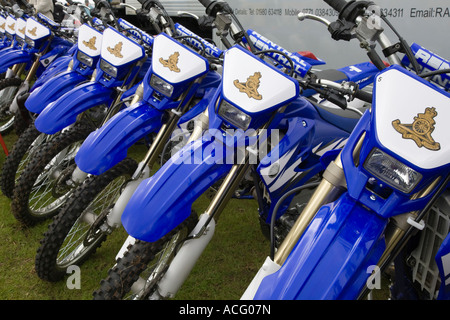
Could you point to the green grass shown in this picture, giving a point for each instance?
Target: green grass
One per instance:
(228, 264)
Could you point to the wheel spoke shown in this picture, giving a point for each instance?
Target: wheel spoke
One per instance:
(74, 243)
(41, 198)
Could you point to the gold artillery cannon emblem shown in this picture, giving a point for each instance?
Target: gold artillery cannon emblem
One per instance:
(420, 130)
(32, 31)
(172, 62)
(117, 50)
(250, 87)
(91, 43)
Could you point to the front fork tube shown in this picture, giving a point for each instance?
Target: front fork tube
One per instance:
(115, 106)
(15, 71)
(402, 227)
(78, 176)
(143, 170)
(332, 186)
(25, 86)
(33, 69)
(185, 259)
(200, 126)
(329, 189)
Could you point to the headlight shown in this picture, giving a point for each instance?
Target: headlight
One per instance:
(391, 171)
(161, 86)
(108, 68)
(29, 42)
(234, 116)
(85, 59)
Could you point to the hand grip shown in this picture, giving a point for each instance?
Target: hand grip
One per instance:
(364, 96)
(337, 5)
(205, 3)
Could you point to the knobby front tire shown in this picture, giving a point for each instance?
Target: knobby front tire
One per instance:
(8, 90)
(18, 158)
(37, 194)
(140, 260)
(71, 239)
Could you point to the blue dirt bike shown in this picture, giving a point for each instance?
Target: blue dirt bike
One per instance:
(40, 57)
(4, 40)
(64, 74)
(80, 69)
(178, 87)
(383, 204)
(122, 64)
(255, 103)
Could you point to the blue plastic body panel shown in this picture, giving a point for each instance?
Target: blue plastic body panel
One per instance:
(64, 111)
(163, 201)
(397, 202)
(333, 258)
(108, 145)
(4, 44)
(430, 61)
(12, 57)
(52, 89)
(59, 65)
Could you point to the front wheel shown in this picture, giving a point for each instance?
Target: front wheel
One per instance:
(80, 228)
(41, 189)
(25, 149)
(8, 90)
(136, 275)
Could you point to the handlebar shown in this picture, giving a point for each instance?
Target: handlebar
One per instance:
(224, 17)
(198, 41)
(337, 5)
(355, 22)
(206, 3)
(363, 95)
(135, 32)
(329, 88)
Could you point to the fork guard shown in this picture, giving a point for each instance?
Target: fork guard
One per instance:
(12, 57)
(163, 201)
(108, 145)
(4, 45)
(64, 111)
(331, 260)
(52, 89)
(59, 65)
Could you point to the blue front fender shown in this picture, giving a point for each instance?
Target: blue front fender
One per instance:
(51, 90)
(108, 145)
(64, 111)
(333, 258)
(59, 65)
(12, 57)
(4, 44)
(163, 201)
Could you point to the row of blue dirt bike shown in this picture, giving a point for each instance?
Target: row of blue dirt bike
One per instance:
(349, 183)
